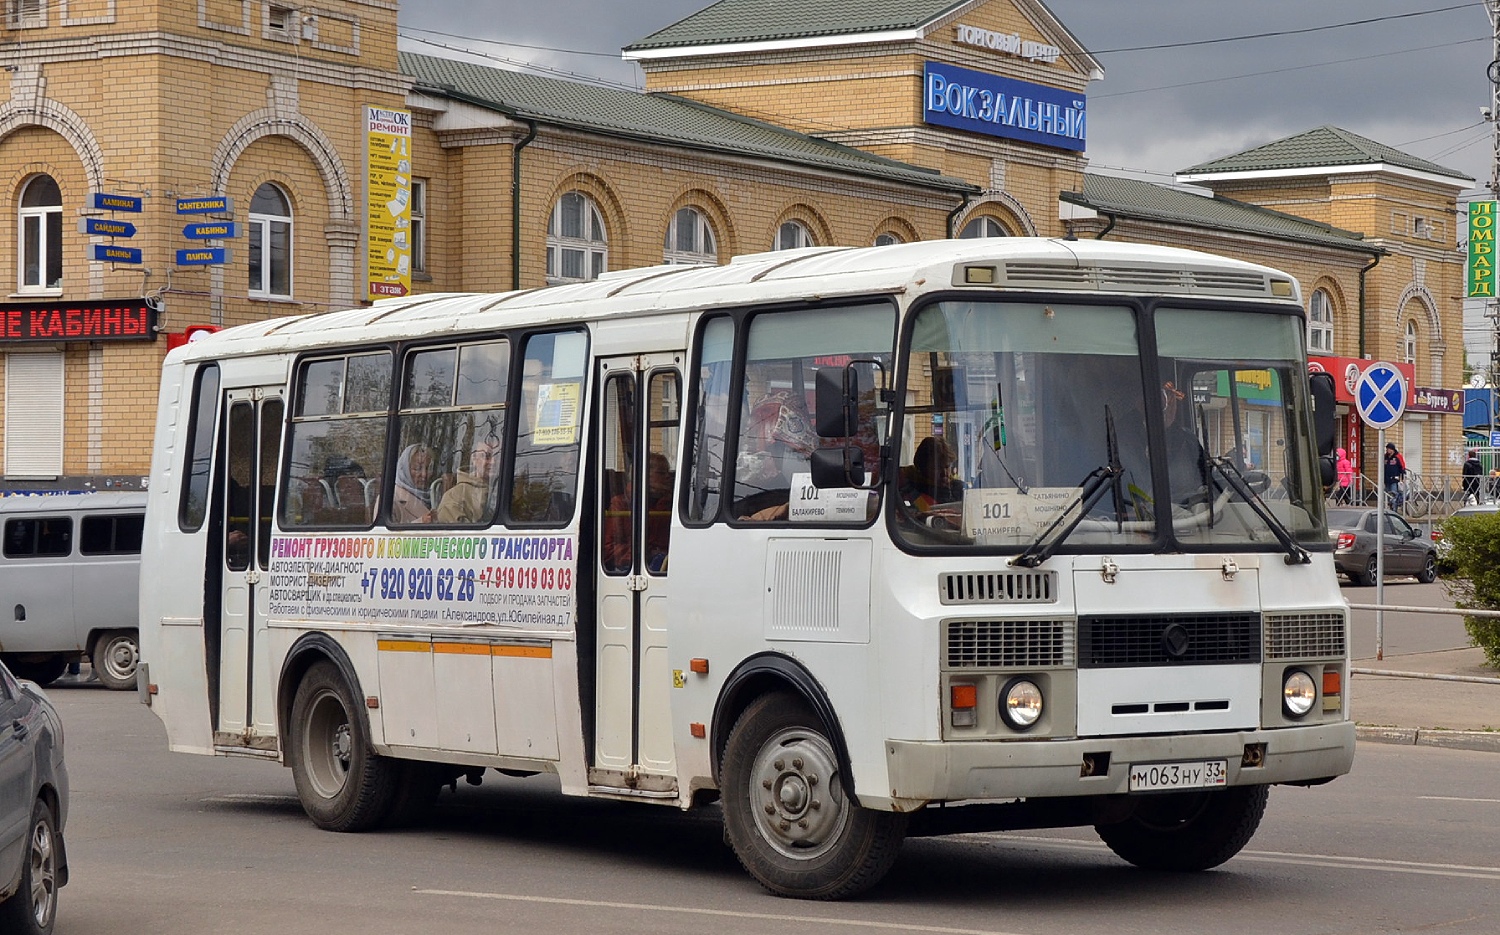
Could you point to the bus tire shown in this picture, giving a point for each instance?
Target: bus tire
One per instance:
(114, 656)
(1188, 831)
(785, 812)
(342, 783)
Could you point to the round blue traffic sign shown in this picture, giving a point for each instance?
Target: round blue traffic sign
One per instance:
(1380, 395)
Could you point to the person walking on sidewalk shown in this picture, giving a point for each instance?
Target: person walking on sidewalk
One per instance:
(1473, 470)
(1394, 473)
(1345, 469)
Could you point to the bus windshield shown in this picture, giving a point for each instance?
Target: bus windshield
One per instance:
(1012, 407)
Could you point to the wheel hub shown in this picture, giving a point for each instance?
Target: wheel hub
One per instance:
(799, 804)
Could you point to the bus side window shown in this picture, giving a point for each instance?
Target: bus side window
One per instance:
(710, 420)
(544, 474)
(339, 425)
(451, 430)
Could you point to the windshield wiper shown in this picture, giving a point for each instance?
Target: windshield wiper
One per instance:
(1295, 554)
(1090, 489)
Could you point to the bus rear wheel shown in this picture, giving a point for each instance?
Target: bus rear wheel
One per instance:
(785, 811)
(1188, 831)
(342, 783)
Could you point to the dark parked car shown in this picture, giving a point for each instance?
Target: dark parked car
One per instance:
(1407, 551)
(33, 808)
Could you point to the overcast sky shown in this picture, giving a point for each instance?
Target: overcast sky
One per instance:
(1416, 83)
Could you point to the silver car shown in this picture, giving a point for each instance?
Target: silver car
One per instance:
(33, 808)
(1407, 550)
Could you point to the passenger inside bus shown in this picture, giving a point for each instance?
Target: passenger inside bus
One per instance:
(473, 496)
(411, 501)
(775, 442)
(930, 485)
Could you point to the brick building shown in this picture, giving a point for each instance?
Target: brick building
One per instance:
(765, 124)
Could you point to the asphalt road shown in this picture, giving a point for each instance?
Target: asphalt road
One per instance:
(172, 844)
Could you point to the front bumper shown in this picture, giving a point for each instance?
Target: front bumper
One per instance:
(954, 772)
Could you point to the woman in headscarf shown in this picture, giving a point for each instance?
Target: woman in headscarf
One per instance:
(412, 500)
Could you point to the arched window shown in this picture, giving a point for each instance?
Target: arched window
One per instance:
(41, 266)
(270, 244)
(690, 241)
(577, 245)
(983, 226)
(791, 235)
(886, 238)
(1409, 344)
(1320, 323)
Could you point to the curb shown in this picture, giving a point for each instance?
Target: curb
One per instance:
(1483, 741)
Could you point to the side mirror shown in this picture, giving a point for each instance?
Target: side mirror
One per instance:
(838, 467)
(836, 399)
(1325, 411)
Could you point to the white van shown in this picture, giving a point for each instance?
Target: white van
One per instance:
(69, 584)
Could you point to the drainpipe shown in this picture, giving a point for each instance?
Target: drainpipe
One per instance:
(1108, 227)
(515, 205)
(953, 215)
(1374, 261)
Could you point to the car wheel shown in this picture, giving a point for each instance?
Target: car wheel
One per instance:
(32, 908)
(786, 814)
(1372, 571)
(1428, 574)
(114, 657)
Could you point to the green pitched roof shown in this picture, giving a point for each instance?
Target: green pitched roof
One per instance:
(652, 118)
(732, 21)
(1149, 202)
(1320, 148)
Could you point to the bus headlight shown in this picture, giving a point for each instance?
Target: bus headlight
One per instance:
(1298, 693)
(1020, 704)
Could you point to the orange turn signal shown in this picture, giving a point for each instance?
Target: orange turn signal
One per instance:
(964, 696)
(1331, 681)
(699, 666)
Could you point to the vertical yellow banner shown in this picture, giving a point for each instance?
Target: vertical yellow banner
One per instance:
(388, 211)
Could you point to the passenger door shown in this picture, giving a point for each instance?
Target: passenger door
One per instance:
(634, 461)
(1403, 548)
(251, 436)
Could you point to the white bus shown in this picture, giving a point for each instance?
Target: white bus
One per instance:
(860, 543)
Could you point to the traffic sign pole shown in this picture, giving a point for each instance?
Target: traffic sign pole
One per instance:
(1380, 554)
(1380, 397)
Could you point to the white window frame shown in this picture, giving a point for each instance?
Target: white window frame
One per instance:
(792, 235)
(1320, 322)
(1409, 343)
(590, 244)
(888, 238)
(698, 248)
(44, 218)
(261, 231)
(982, 226)
(418, 218)
(34, 394)
(25, 14)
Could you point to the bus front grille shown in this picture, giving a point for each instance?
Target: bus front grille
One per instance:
(1304, 636)
(998, 587)
(1168, 639)
(1009, 644)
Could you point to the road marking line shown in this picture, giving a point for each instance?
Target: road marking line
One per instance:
(688, 910)
(1456, 798)
(1301, 860)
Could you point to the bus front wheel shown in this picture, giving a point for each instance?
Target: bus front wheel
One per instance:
(342, 783)
(1188, 831)
(785, 811)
